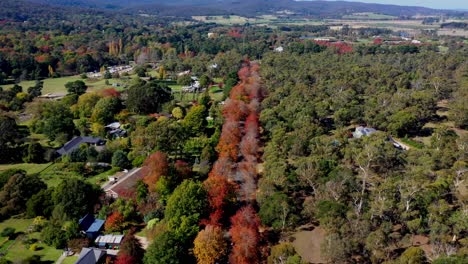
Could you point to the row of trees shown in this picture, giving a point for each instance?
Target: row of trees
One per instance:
(231, 184)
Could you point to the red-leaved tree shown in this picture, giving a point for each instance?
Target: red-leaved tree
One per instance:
(245, 236)
(155, 166)
(221, 193)
(114, 222)
(125, 259)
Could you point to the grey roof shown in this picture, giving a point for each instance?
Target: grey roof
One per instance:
(76, 142)
(363, 131)
(90, 256)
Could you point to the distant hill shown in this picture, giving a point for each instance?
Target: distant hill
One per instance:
(319, 9)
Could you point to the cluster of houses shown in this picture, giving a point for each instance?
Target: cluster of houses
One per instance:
(113, 69)
(194, 86)
(106, 245)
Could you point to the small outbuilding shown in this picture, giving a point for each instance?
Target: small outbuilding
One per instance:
(109, 241)
(91, 226)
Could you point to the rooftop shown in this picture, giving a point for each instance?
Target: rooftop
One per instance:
(109, 239)
(76, 142)
(90, 256)
(90, 224)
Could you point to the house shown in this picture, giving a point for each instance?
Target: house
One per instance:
(91, 256)
(114, 129)
(124, 185)
(75, 143)
(279, 49)
(91, 226)
(363, 131)
(109, 241)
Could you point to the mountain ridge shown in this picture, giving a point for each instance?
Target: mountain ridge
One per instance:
(318, 9)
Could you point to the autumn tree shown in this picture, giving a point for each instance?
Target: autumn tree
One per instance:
(245, 236)
(155, 166)
(221, 194)
(131, 250)
(114, 222)
(210, 245)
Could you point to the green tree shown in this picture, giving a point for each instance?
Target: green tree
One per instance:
(17, 192)
(186, 206)
(185, 80)
(57, 119)
(107, 75)
(204, 81)
(140, 71)
(8, 131)
(40, 204)
(413, 255)
(120, 160)
(52, 235)
(77, 203)
(274, 210)
(86, 103)
(145, 98)
(195, 120)
(105, 110)
(178, 113)
(36, 90)
(77, 87)
(284, 253)
(165, 249)
(35, 153)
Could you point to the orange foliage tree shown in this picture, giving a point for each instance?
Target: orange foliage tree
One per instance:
(155, 166)
(209, 245)
(114, 222)
(221, 193)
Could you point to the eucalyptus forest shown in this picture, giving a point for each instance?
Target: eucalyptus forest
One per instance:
(198, 135)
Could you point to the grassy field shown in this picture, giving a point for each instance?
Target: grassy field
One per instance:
(70, 260)
(369, 15)
(55, 174)
(18, 252)
(28, 167)
(57, 85)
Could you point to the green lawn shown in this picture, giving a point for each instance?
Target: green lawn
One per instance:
(70, 260)
(103, 177)
(20, 225)
(57, 85)
(28, 167)
(55, 174)
(18, 251)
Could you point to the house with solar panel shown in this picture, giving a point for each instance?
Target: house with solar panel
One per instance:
(91, 226)
(109, 241)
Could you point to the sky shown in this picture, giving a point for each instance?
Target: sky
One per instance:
(438, 4)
